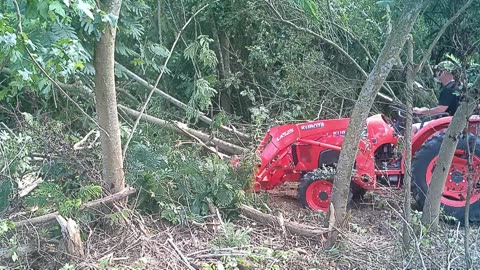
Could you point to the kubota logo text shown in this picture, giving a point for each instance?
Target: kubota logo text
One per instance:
(312, 126)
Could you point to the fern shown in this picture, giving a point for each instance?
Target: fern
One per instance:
(89, 192)
(201, 97)
(62, 31)
(124, 50)
(158, 49)
(139, 8)
(191, 51)
(69, 207)
(45, 194)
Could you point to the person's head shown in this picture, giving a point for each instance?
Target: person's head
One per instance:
(443, 72)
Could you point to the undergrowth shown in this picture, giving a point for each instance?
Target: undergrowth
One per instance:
(181, 182)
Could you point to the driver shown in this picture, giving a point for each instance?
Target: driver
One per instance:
(449, 98)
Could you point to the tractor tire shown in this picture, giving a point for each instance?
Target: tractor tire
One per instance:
(315, 191)
(422, 169)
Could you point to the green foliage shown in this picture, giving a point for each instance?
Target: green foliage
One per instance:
(9, 241)
(233, 237)
(180, 183)
(14, 163)
(310, 7)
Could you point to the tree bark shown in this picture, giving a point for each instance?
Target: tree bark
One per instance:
(292, 227)
(106, 103)
(387, 58)
(225, 100)
(431, 209)
(159, 21)
(407, 159)
(71, 237)
(222, 49)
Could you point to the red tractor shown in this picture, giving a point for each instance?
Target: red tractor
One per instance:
(308, 152)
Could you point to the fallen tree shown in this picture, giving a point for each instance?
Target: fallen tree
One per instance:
(53, 216)
(292, 227)
(224, 146)
(177, 102)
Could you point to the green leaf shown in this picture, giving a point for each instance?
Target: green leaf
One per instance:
(111, 19)
(159, 50)
(137, 62)
(57, 8)
(311, 8)
(3, 93)
(42, 8)
(85, 8)
(191, 50)
(79, 65)
(26, 75)
(3, 228)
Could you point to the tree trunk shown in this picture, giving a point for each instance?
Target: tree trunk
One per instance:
(159, 21)
(225, 99)
(375, 79)
(431, 209)
(106, 103)
(222, 49)
(407, 159)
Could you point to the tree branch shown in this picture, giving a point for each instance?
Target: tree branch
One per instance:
(52, 216)
(440, 33)
(178, 103)
(222, 145)
(292, 227)
(331, 43)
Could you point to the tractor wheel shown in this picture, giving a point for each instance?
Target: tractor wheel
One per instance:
(454, 194)
(315, 191)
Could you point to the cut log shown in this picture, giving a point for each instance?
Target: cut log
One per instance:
(177, 102)
(52, 216)
(292, 227)
(226, 147)
(71, 237)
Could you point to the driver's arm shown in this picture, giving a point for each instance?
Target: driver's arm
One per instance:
(427, 111)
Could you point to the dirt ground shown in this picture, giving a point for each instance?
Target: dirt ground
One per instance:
(372, 240)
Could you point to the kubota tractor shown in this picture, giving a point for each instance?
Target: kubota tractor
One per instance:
(308, 152)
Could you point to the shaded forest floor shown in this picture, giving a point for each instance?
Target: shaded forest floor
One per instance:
(372, 240)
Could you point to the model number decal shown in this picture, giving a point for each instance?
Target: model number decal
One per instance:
(312, 126)
(285, 134)
(339, 133)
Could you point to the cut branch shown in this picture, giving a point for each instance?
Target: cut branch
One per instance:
(222, 145)
(292, 227)
(52, 216)
(177, 102)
